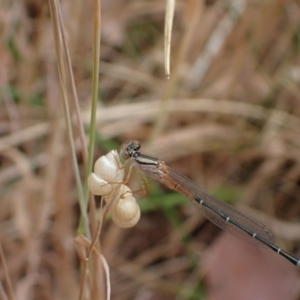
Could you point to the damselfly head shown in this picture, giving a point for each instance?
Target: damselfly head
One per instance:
(129, 149)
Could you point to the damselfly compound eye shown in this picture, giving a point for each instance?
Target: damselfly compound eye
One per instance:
(129, 149)
(135, 145)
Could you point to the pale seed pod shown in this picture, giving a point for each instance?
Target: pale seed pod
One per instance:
(107, 181)
(98, 186)
(125, 211)
(108, 167)
(107, 170)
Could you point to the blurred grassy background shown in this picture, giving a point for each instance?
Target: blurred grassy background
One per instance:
(228, 118)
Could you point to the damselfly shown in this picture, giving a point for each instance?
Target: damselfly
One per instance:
(222, 214)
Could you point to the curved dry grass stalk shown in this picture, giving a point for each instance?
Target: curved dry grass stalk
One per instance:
(112, 120)
(186, 40)
(85, 249)
(147, 111)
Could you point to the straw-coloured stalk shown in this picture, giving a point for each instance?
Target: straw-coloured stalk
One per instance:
(168, 33)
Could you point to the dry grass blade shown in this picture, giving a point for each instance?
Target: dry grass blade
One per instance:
(215, 43)
(61, 53)
(82, 245)
(191, 18)
(170, 7)
(10, 292)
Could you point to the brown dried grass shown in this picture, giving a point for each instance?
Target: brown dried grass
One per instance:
(228, 117)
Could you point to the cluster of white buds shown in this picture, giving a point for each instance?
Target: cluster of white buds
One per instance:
(107, 181)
